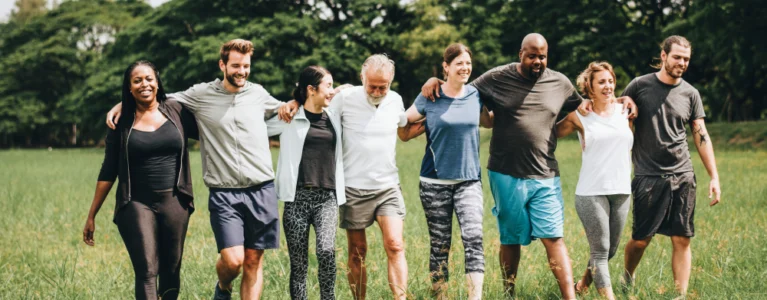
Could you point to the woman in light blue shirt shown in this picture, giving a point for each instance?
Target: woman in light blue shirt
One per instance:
(450, 170)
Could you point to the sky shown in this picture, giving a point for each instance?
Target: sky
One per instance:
(7, 5)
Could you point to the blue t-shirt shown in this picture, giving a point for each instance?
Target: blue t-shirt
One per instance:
(452, 136)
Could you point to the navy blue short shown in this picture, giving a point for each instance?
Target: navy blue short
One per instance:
(245, 217)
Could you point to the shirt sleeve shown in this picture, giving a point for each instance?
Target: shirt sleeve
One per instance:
(420, 104)
(485, 86)
(336, 104)
(402, 122)
(696, 107)
(275, 126)
(271, 105)
(573, 99)
(190, 98)
(631, 90)
(110, 165)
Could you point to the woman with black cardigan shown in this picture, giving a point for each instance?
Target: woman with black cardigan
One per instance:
(148, 153)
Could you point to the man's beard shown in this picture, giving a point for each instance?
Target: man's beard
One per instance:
(375, 100)
(533, 75)
(232, 81)
(669, 70)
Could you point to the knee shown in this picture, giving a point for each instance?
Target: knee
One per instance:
(253, 260)
(680, 241)
(232, 263)
(394, 247)
(357, 252)
(641, 244)
(325, 252)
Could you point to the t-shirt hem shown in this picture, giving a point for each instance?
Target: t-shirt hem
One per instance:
(372, 187)
(537, 177)
(604, 193)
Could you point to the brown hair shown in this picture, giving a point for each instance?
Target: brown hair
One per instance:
(668, 43)
(238, 45)
(453, 51)
(584, 79)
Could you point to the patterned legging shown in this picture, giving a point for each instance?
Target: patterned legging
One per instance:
(316, 207)
(439, 201)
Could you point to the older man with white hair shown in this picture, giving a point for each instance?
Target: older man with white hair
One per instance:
(370, 115)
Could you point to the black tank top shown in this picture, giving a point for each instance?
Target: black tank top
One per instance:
(153, 157)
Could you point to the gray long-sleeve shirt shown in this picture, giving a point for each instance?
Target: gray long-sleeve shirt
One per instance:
(234, 145)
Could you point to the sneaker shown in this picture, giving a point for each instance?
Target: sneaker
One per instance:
(220, 294)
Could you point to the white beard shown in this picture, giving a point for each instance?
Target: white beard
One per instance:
(375, 100)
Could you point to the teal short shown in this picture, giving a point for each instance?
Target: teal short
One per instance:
(527, 209)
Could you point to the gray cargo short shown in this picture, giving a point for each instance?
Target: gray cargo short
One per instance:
(363, 206)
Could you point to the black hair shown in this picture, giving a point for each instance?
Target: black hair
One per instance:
(310, 76)
(128, 102)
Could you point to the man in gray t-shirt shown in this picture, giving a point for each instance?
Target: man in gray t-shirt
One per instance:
(664, 183)
(525, 111)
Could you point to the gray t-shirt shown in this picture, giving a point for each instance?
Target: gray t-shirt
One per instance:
(524, 137)
(660, 140)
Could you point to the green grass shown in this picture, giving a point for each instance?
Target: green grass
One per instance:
(45, 195)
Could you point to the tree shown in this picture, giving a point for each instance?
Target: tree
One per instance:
(28, 9)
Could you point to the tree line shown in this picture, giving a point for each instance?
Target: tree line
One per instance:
(61, 67)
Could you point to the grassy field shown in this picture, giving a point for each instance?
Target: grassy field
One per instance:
(45, 195)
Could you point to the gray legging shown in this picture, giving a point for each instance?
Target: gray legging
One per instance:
(603, 217)
(439, 202)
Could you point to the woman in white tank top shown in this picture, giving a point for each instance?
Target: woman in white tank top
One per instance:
(604, 184)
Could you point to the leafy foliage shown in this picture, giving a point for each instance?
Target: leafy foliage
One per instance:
(61, 68)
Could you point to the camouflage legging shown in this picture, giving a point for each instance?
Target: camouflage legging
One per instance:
(439, 201)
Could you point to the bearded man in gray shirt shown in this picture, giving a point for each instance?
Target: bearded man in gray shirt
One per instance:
(664, 182)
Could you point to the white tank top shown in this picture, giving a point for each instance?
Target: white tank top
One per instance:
(606, 158)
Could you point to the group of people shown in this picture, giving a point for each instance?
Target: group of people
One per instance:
(336, 167)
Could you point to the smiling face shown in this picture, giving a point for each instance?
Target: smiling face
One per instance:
(323, 92)
(376, 83)
(459, 68)
(533, 60)
(676, 61)
(602, 86)
(236, 69)
(143, 84)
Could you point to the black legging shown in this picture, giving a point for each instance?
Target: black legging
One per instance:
(316, 207)
(153, 228)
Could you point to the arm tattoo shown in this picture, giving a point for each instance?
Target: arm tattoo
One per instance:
(703, 135)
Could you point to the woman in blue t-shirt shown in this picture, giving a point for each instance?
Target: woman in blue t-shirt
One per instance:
(450, 171)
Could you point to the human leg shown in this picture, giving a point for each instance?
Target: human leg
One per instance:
(437, 201)
(137, 224)
(469, 210)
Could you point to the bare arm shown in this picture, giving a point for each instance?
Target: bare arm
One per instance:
(411, 130)
(430, 89)
(113, 116)
(568, 125)
(706, 151)
(486, 118)
(102, 190)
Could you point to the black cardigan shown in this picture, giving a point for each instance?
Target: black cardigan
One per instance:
(115, 163)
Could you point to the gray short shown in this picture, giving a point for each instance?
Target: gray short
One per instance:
(245, 217)
(363, 206)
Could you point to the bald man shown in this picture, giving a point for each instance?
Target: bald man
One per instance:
(526, 98)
